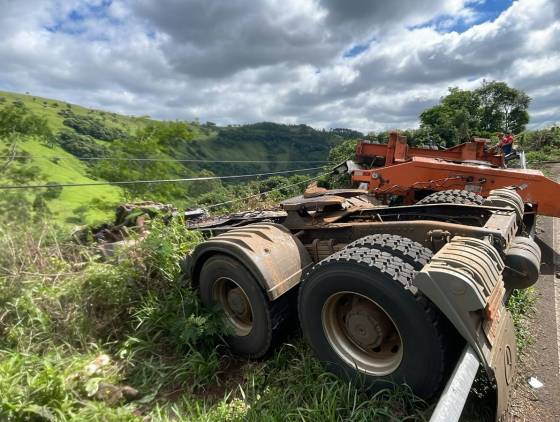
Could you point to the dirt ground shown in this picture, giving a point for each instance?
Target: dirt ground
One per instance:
(542, 359)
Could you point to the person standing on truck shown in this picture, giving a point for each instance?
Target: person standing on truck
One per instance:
(506, 143)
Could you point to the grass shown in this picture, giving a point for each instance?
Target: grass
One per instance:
(521, 305)
(94, 204)
(127, 340)
(83, 338)
(49, 108)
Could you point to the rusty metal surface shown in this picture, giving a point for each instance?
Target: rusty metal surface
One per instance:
(397, 151)
(270, 252)
(464, 279)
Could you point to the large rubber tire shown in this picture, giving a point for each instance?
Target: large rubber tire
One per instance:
(408, 250)
(268, 318)
(387, 281)
(453, 196)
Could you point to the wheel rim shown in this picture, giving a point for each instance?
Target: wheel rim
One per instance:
(362, 333)
(236, 305)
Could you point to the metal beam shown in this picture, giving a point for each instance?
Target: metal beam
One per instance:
(452, 400)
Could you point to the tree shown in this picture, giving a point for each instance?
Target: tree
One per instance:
(503, 109)
(462, 114)
(168, 134)
(130, 164)
(455, 119)
(18, 120)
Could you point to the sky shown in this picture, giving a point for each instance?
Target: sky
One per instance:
(370, 65)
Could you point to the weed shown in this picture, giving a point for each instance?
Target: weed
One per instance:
(521, 304)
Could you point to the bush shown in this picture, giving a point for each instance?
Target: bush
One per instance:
(79, 145)
(61, 308)
(94, 127)
(541, 145)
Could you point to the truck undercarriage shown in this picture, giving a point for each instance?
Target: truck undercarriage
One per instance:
(384, 295)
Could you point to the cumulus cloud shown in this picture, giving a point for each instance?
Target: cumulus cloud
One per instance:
(369, 65)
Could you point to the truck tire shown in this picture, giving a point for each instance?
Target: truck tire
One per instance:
(255, 321)
(453, 196)
(367, 323)
(408, 250)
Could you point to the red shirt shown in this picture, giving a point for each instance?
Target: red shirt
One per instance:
(506, 140)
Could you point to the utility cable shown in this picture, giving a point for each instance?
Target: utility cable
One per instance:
(188, 160)
(133, 182)
(264, 193)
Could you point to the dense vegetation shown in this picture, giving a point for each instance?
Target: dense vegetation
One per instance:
(82, 145)
(493, 108)
(126, 339)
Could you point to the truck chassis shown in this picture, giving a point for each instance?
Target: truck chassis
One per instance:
(384, 295)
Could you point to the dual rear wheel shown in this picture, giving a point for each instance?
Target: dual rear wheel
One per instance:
(358, 310)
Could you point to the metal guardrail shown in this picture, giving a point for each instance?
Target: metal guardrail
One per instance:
(452, 400)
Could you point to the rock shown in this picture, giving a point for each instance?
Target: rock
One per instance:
(129, 392)
(94, 366)
(108, 393)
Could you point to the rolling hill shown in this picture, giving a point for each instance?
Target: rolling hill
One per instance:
(83, 132)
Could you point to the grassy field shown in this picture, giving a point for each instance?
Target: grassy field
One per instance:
(126, 340)
(207, 142)
(92, 204)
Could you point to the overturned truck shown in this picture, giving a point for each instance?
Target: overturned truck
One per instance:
(384, 295)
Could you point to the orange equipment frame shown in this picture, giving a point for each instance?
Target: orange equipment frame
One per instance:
(403, 171)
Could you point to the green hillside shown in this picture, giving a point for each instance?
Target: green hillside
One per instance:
(49, 109)
(93, 204)
(77, 134)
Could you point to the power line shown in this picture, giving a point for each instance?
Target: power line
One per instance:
(168, 160)
(265, 192)
(133, 182)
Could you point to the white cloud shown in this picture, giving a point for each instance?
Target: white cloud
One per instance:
(238, 61)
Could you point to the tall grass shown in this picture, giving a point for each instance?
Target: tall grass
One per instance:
(83, 337)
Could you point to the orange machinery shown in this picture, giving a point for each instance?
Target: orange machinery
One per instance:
(396, 169)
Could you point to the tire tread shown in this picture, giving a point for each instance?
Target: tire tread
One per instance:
(408, 250)
(403, 274)
(452, 196)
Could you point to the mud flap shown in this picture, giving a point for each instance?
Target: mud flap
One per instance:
(464, 280)
(503, 362)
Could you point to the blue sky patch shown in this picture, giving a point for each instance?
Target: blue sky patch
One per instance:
(485, 11)
(71, 23)
(356, 50)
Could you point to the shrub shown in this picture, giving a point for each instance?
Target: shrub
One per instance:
(94, 127)
(79, 145)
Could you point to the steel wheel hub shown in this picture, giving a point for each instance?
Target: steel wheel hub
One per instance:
(362, 333)
(366, 325)
(236, 305)
(238, 302)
